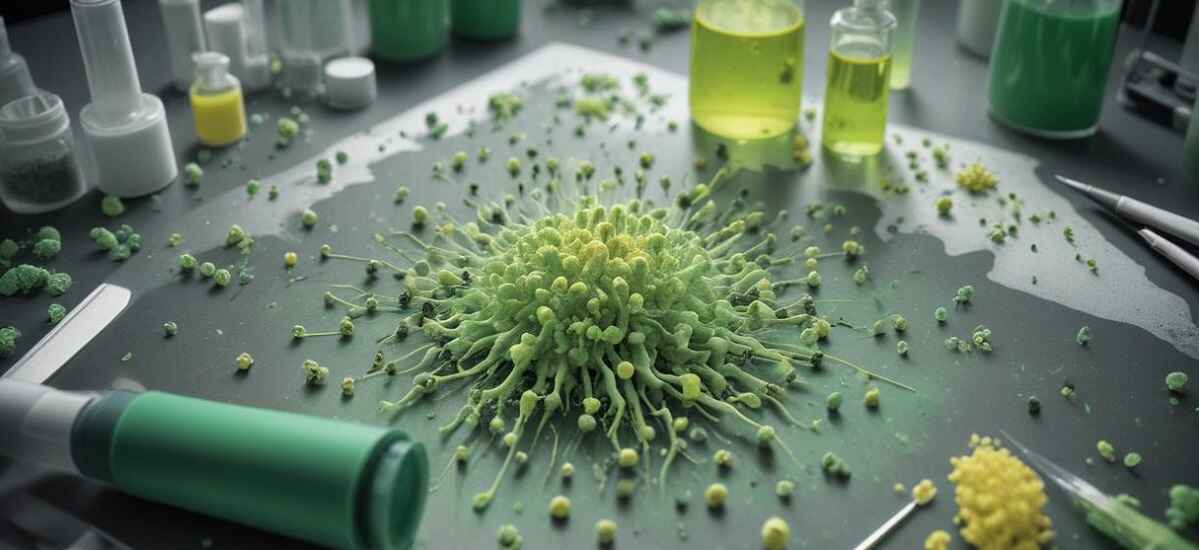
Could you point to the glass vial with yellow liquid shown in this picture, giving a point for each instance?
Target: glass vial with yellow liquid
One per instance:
(859, 74)
(747, 67)
(218, 107)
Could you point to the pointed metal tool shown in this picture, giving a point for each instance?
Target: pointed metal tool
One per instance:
(1139, 212)
(885, 529)
(84, 322)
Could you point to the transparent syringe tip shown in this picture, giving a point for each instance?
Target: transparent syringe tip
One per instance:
(108, 60)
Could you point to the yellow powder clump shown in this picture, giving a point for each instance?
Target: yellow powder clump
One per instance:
(924, 492)
(999, 499)
(938, 540)
(976, 178)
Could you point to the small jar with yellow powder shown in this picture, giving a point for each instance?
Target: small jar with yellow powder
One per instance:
(218, 107)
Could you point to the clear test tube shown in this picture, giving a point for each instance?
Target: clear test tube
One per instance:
(15, 80)
(907, 13)
(258, 57)
(185, 36)
(125, 128)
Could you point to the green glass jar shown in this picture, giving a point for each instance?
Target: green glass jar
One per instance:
(407, 30)
(485, 19)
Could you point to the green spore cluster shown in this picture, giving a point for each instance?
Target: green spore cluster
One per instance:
(1176, 381)
(622, 317)
(8, 340)
(47, 243)
(120, 244)
(1184, 505)
(834, 466)
(55, 313)
(112, 206)
(504, 105)
(1083, 336)
(976, 178)
(27, 279)
(964, 295)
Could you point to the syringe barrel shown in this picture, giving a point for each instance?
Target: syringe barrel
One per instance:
(108, 60)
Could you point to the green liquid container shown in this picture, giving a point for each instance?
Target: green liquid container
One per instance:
(485, 19)
(407, 30)
(1050, 63)
(337, 484)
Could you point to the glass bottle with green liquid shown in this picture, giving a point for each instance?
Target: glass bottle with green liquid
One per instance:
(1050, 63)
(747, 67)
(858, 82)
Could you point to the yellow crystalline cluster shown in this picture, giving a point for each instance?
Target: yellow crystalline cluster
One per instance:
(938, 540)
(976, 178)
(924, 492)
(999, 499)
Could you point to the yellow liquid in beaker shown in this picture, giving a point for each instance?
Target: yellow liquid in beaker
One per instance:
(220, 118)
(855, 104)
(746, 67)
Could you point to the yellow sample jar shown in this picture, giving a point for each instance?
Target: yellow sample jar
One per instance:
(747, 67)
(858, 83)
(218, 107)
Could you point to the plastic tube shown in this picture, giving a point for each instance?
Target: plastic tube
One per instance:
(185, 36)
(258, 58)
(126, 129)
(226, 34)
(332, 483)
(15, 80)
(907, 14)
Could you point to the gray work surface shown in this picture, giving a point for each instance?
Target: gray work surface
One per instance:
(1120, 374)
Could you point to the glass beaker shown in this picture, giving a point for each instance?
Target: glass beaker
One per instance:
(39, 170)
(747, 67)
(859, 79)
(1050, 63)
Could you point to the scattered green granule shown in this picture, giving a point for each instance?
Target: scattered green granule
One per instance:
(244, 361)
(871, 399)
(27, 279)
(347, 386)
(861, 275)
(1068, 233)
(627, 458)
(605, 531)
(878, 328)
(852, 249)
(775, 534)
(1106, 450)
(342, 157)
(287, 129)
(314, 373)
(976, 178)
(187, 262)
(1093, 266)
(899, 323)
(680, 424)
(8, 249)
(324, 171)
(272, 192)
(504, 105)
(192, 174)
(1183, 510)
(834, 466)
(513, 166)
(646, 161)
(235, 235)
(625, 489)
(120, 244)
(1034, 405)
(997, 234)
(55, 313)
(170, 329)
(1067, 391)
(941, 315)
(902, 348)
(981, 338)
(1176, 382)
(112, 206)
(784, 489)
(723, 458)
(46, 249)
(944, 205)
(420, 216)
(252, 188)
(222, 277)
(560, 508)
(1131, 460)
(941, 157)
(715, 496)
(592, 107)
(8, 340)
(309, 218)
(1083, 336)
(567, 471)
(964, 295)
(290, 259)
(174, 240)
(833, 401)
(508, 537)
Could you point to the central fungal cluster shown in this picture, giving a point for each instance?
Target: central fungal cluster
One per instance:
(626, 318)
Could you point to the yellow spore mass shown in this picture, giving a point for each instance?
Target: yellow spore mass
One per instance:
(999, 499)
(924, 492)
(938, 540)
(975, 178)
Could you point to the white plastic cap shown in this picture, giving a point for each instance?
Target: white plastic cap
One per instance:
(36, 422)
(350, 83)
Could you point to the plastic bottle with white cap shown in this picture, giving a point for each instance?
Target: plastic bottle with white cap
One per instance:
(311, 31)
(218, 107)
(39, 169)
(126, 128)
(226, 30)
(185, 36)
(15, 80)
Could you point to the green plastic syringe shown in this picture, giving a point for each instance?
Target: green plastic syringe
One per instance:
(1123, 523)
(337, 484)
